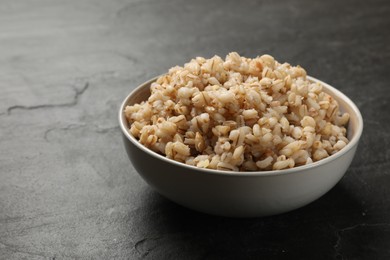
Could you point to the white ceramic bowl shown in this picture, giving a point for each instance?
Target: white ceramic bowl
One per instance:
(241, 194)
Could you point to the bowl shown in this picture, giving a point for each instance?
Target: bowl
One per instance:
(241, 194)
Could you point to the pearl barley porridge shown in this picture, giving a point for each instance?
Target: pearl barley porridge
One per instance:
(239, 114)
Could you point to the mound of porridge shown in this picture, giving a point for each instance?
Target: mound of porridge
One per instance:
(239, 114)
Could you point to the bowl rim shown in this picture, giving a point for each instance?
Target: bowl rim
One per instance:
(354, 141)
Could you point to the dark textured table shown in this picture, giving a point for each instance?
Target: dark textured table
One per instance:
(67, 188)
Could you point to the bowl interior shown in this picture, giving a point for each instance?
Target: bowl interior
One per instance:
(354, 128)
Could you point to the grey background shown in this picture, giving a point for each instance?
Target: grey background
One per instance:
(67, 189)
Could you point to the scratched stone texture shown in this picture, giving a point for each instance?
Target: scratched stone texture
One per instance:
(67, 189)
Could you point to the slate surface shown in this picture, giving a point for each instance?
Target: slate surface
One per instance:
(67, 189)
